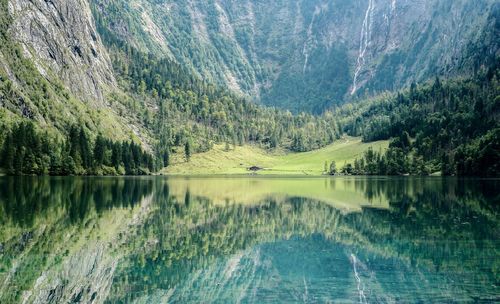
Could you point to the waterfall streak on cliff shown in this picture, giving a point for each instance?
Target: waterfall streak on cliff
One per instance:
(310, 42)
(365, 38)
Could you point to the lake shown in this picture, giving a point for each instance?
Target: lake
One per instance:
(249, 240)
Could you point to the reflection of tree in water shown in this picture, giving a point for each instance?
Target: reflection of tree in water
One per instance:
(425, 227)
(438, 225)
(450, 227)
(182, 238)
(43, 211)
(399, 189)
(22, 199)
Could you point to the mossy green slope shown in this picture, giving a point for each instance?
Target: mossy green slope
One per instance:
(238, 159)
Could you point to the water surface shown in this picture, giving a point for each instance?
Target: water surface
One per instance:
(249, 240)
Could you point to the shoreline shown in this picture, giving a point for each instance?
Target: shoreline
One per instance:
(257, 176)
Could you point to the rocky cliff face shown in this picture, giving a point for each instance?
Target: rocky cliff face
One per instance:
(298, 54)
(306, 54)
(60, 38)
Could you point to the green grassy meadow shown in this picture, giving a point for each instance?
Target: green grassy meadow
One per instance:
(238, 159)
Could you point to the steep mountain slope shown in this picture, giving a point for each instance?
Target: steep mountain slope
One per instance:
(60, 37)
(81, 80)
(306, 55)
(64, 92)
(54, 68)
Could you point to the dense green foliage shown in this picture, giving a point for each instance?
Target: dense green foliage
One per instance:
(36, 112)
(26, 150)
(171, 108)
(395, 161)
(179, 107)
(446, 126)
(451, 126)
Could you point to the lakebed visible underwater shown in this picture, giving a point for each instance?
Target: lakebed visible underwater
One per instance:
(249, 240)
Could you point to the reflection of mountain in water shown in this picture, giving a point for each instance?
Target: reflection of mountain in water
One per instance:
(56, 238)
(421, 237)
(295, 270)
(437, 239)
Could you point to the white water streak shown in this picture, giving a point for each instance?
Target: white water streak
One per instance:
(365, 38)
(310, 42)
(361, 288)
(306, 291)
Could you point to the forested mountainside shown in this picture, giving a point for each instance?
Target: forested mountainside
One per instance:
(311, 54)
(441, 126)
(80, 94)
(135, 97)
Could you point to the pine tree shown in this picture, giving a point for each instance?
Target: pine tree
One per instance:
(8, 154)
(166, 158)
(33, 155)
(187, 151)
(85, 150)
(127, 158)
(333, 168)
(136, 154)
(56, 162)
(69, 165)
(116, 155)
(19, 139)
(99, 151)
(19, 161)
(150, 162)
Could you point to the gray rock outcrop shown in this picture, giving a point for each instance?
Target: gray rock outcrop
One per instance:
(61, 39)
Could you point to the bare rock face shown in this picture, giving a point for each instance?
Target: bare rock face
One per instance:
(307, 54)
(61, 39)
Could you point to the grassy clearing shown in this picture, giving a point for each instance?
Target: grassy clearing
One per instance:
(237, 160)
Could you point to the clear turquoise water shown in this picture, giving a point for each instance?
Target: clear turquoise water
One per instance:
(249, 240)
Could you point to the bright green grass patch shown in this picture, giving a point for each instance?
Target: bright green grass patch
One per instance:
(239, 159)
